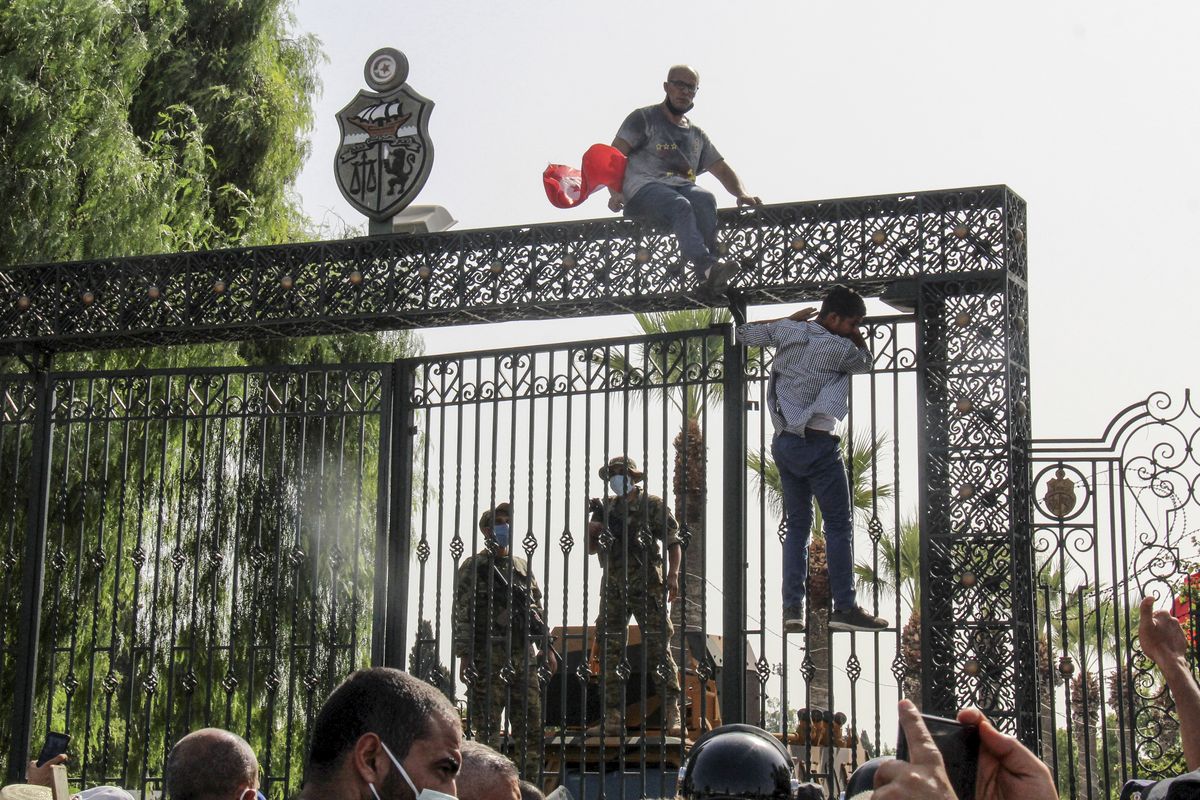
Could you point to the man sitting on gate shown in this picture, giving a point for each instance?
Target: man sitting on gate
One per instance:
(665, 153)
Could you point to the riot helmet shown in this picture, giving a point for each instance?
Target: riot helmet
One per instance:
(737, 761)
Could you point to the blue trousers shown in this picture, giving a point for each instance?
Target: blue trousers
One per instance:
(811, 466)
(690, 211)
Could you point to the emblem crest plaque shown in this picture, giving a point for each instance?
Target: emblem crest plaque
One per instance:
(385, 155)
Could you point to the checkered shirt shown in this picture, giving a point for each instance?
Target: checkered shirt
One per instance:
(810, 373)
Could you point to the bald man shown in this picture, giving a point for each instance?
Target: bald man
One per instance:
(486, 775)
(211, 764)
(665, 153)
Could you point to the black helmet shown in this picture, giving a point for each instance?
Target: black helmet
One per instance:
(737, 761)
(863, 779)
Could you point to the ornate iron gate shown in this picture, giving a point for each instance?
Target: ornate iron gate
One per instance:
(209, 540)
(1116, 519)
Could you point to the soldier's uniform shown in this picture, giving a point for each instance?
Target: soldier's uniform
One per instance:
(633, 584)
(493, 637)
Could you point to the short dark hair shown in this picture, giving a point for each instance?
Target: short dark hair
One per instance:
(208, 763)
(481, 766)
(485, 521)
(530, 792)
(843, 301)
(387, 702)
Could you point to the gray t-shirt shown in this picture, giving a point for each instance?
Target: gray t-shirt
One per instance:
(663, 152)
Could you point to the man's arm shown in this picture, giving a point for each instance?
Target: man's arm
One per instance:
(732, 183)
(674, 553)
(761, 334)
(616, 200)
(1163, 641)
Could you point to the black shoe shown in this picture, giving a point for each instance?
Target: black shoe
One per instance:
(856, 619)
(719, 275)
(793, 619)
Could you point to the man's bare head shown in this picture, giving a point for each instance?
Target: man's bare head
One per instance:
(210, 764)
(681, 86)
(486, 775)
(682, 72)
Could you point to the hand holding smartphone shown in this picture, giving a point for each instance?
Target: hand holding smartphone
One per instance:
(959, 746)
(55, 745)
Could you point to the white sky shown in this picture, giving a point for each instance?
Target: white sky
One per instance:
(1087, 109)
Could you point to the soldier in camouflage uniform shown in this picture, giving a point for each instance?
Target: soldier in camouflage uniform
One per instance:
(628, 532)
(498, 656)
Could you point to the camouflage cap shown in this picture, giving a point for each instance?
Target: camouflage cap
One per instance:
(485, 521)
(621, 462)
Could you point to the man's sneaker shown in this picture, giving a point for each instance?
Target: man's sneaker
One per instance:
(793, 619)
(856, 619)
(719, 275)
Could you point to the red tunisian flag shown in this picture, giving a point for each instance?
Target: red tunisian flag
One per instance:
(1181, 606)
(567, 187)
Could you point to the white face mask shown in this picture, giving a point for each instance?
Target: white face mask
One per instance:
(424, 794)
(620, 484)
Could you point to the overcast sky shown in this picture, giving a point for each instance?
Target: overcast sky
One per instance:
(1087, 109)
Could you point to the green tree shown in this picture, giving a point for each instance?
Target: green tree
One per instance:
(130, 128)
(134, 128)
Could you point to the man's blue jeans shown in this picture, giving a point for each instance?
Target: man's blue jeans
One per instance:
(690, 211)
(811, 466)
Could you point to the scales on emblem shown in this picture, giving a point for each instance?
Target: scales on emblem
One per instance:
(385, 154)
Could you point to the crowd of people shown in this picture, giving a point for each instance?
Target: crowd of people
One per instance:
(384, 735)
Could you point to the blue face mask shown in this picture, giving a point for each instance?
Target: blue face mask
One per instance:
(501, 534)
(620, 484)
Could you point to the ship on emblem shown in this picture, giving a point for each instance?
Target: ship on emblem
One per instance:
(382, 119)
(385, 154)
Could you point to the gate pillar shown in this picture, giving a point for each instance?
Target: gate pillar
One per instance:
(978, 645)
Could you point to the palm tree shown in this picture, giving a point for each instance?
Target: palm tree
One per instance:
(1085, 631)
(678, 363)
(861, 453)
(899, 575)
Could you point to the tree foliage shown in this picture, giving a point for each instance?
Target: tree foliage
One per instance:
(130, 128)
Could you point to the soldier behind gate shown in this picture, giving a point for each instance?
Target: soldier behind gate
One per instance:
(627, 531)
(497, 616)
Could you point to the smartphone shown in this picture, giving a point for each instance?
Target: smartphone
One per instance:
(959, 746)
(55, 745)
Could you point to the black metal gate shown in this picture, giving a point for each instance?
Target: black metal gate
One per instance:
(1117, 518)
(532, 426)
(209, 541)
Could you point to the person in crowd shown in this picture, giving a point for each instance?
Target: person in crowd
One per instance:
(486, 775)
(808, 393)
(497, 611)
(1007, 770)
(739, 761)
(531, 792)
(628, 531)
(384, 735)
(211, 764)
(665, 153)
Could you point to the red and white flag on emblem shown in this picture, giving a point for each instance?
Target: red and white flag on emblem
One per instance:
(567, 187)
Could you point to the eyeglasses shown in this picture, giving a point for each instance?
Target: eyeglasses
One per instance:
(684, 86)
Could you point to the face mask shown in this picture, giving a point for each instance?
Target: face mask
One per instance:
(620, 484)
(424, 794)
(501, 534)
